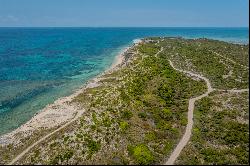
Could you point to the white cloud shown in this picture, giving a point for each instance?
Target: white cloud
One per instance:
(12, 18)
(9, 18)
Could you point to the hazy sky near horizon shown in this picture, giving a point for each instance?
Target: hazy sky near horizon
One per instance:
(124, 13)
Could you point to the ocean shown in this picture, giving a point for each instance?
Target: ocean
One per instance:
(39, 65)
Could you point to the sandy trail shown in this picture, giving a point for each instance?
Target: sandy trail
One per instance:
(235, 90)
(188, 131)
(79, 113)
(192, 101)
(159, 51)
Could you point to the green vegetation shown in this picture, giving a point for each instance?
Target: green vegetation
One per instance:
(93, 146)
(139, 112)
(142, 154)
(124, 126)
(64, 156)
(127, 114)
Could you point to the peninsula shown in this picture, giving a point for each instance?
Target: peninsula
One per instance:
(166, 100)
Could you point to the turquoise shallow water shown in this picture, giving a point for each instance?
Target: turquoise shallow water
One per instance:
(39, 65)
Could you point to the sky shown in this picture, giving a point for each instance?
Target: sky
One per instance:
(124, 13)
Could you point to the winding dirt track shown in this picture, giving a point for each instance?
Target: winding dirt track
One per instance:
(235, 90)
(185, 138)
(79, 113)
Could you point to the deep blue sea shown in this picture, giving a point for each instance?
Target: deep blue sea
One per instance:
(39, 65)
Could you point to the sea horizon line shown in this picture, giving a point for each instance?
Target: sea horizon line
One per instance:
(123, 27)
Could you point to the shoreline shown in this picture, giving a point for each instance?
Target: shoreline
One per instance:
(60, 111)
